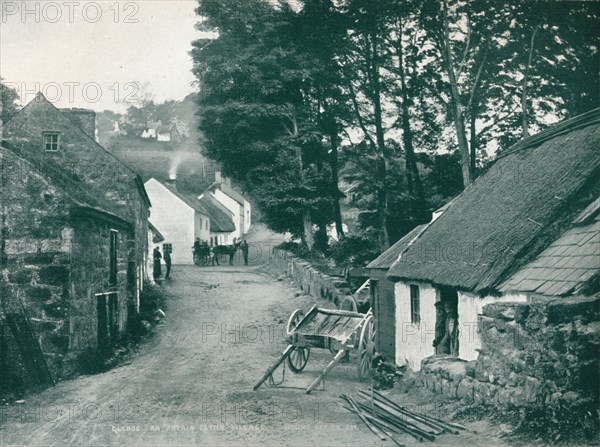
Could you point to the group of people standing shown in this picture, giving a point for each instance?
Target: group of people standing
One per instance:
(202, 249)
(212, 252)
(157, 268)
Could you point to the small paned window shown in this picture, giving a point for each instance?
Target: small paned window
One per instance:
(51, 141)
(415, 305)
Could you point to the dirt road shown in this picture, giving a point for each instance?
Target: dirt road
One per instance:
(191, 383)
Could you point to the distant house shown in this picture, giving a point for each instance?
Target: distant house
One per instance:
(182, 218)
(152, 130)
(171, 134)
(155, 130)
(73, 242)
(527, 229)
(235, 202)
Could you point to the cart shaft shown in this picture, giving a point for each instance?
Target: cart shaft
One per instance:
(328, 368)
(272, 369)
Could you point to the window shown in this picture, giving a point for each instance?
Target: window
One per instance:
(51, 140)
(112, 278)
(167, 248)
(415, 305)
(206, 227)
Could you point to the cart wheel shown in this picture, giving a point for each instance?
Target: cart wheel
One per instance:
(293, 321)
(366, 348)
(349, 303)
(298, 359)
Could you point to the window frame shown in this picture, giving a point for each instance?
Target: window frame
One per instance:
(415, 304)
(45, 144)
(113, 257)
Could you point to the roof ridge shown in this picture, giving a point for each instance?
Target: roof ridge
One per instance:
(578, 122)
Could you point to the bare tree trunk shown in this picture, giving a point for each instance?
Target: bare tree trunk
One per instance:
(459, 122)
(308, 237)
(415, 186)
(473, 141)
(524, 111)
(337, 213)
(380, 139)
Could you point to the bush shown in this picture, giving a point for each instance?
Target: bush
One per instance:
(151, 299)
(564, 422)
(354, 251)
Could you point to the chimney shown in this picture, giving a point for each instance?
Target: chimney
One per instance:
(218, 176)
(172, 182)
(227, 181)
(85, 119)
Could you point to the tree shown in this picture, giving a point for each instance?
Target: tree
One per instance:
(8, 101)
(255, 116)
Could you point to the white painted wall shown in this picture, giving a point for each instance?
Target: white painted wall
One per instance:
(414, 341)
(247, 216)
(175, 220)
(235, 208)
(163, 136)
(469, 308)
(202, 227)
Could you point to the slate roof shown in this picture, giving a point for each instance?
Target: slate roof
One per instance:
(564, 267)
(386, 259)
(522, 204)
(220, 221)
(190, 201)
(220, 217)
(226, 189)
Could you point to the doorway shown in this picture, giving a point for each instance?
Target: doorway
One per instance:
(446, 322)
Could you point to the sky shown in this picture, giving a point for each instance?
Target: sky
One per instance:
(102, 55)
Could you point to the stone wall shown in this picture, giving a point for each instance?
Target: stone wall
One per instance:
(309, 279)
(532, 353)
(82, 157)
(51, 265)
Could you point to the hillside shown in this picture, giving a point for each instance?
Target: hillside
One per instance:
(161, 160)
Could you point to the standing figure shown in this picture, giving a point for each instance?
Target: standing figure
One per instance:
(244, 247)
(213, 255)
(232, 249)
(168, 264)
(157, 269)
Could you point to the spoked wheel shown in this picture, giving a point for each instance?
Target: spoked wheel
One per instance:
(349, 303)
(366, 348)
(298, 359)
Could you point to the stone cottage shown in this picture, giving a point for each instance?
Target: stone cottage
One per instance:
(74, 235)
(525, 230)
(65, 139)
(65, 258)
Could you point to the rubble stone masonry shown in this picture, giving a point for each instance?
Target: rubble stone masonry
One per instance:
(532, 353)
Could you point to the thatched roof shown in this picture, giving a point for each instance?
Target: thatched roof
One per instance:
(386, 259)
(79, 193)
(526, 200)
(221, 220)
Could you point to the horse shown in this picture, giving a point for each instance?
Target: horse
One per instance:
(228, 250)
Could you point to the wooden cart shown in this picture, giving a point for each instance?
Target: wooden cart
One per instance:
(339, 331)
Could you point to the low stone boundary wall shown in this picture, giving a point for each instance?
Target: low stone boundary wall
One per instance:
(309, 279)
(532, 353)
